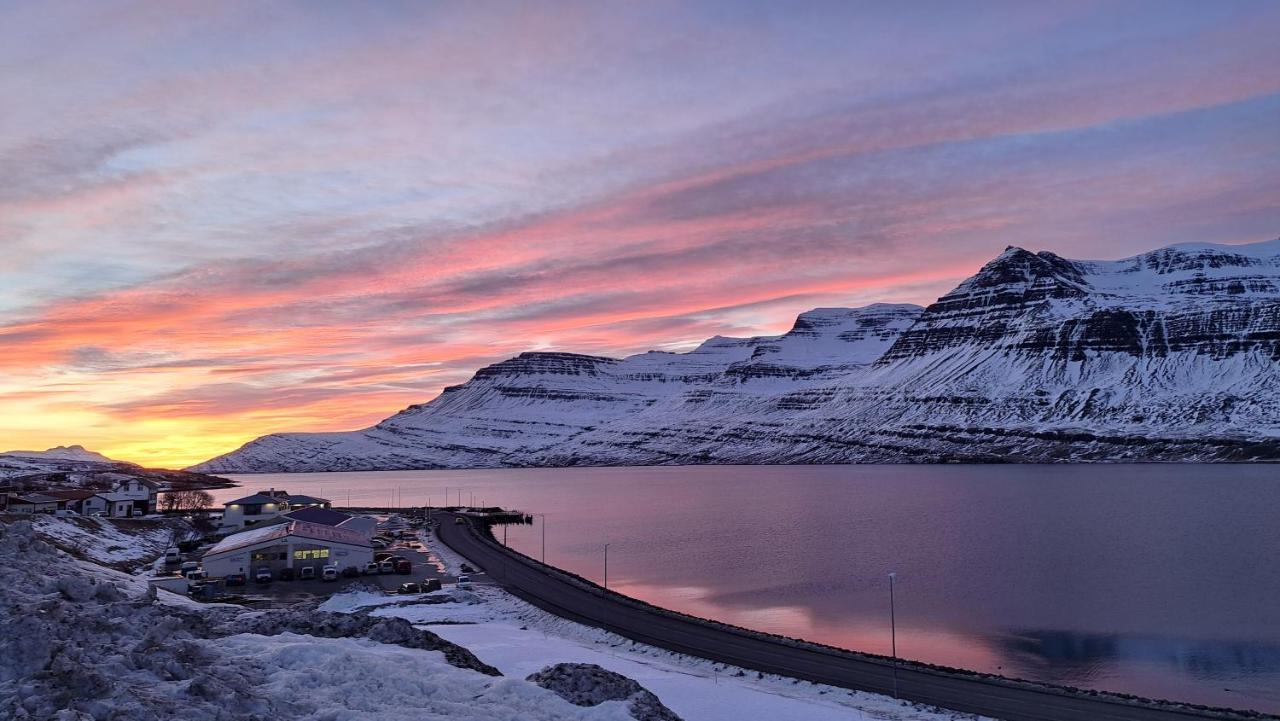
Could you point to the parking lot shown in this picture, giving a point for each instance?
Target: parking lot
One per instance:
(282, 592)
(279, 593)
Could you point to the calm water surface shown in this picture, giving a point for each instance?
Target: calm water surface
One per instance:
(1156, 580)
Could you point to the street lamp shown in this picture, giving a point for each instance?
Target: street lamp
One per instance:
(606, 567)
(544, 535)
(893, 635)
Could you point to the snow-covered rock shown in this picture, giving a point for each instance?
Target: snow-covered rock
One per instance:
(586, 684)
(1169, 355)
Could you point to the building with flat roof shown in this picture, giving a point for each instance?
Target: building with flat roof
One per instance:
(294, 544)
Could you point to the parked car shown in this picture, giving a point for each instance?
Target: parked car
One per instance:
(329, 573)
(379, 543)
(350, 571)
(307, 573)
(172, 555)
(262, 575)
(371, 568)
(464, 582)
(386, 567)
(430, 584)
(410, 588)
(235, 579)
(189, 566)
(196, 574)
(286, 574)
(403, 566)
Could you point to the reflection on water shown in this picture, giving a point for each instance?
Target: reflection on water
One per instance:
(1152, 580)
(1072, 652)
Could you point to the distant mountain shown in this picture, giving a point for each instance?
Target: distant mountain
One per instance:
(1170, 355)
(65, 453)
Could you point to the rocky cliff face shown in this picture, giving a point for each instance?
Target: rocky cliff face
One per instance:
(1169, 355)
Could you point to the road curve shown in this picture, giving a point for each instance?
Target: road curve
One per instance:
(579, 600)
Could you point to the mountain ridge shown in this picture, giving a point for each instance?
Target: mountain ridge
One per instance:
(1165, 355)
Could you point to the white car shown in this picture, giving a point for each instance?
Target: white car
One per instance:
(307, 573)
(464, 582)
(386, 567)
(263, 575)
(329, 573)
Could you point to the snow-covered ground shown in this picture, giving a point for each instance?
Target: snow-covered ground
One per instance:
(519, 639)
(124, 544)
(83, 642)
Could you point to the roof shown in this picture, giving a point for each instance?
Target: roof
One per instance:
(363, 524)
(70, 494)
(301, 529)
(34, 498)
(251, 500)
(298, 499)
(315, 514)
(282, 498)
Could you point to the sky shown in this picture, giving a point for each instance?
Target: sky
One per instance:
(219, 220)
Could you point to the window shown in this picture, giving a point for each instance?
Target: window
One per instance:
(269, 556)
(252, 509)
(309, 553)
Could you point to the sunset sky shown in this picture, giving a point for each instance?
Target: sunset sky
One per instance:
(225, 219)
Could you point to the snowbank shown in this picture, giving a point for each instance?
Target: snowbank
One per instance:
(81, 642)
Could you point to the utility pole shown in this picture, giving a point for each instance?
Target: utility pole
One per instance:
(893, 635)
(606, 567)
(544, 536)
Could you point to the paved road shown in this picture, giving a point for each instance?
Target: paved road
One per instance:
(581, 601)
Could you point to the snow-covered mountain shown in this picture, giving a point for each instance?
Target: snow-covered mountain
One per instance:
(63, 453)
(1168, 355)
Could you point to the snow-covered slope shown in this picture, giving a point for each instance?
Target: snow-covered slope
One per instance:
(63, 453)
(1168, 355)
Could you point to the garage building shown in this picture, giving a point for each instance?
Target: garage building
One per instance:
(295, 544)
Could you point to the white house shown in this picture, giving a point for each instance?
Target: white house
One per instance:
(265, 506)
(140, 491)
(291, 544)
(129, 497)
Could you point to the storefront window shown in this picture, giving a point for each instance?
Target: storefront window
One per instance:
(305, 554)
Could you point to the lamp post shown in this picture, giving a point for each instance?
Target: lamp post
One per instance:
(544, 535)
(893, 635)
(606, 567)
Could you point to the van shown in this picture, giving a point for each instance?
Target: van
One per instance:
(307, 573)
(329, 573)
(172, 555)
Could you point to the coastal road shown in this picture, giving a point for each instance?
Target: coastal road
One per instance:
(579, 600)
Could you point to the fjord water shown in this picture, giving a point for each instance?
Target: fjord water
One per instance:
(1156, 580)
